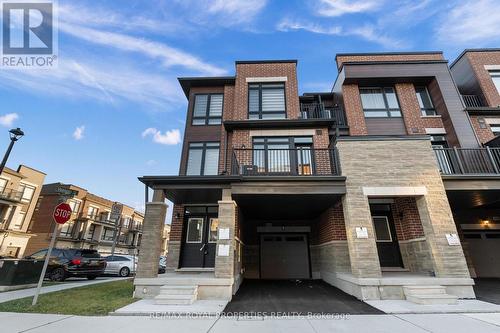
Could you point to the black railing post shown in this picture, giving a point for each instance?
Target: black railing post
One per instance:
(457, 155)
(492, 160)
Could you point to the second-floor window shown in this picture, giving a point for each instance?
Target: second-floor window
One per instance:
(92, 212)
(425, 102)
(67, 229)
(495, 76)
(75, 206)
(27, 192)
(266, 101)
(107, 234)
(207, 109)
(379, 102)
(203, 159)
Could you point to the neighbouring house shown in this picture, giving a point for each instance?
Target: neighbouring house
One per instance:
(90, 225)
(357, 186)
(164, 239)
(477, 75)
(19, 191)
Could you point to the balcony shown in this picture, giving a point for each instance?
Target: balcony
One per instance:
(319, 111)
(285, 162)
(468, 161)
(473, 101)
(10, 195)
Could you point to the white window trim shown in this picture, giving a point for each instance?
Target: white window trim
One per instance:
(388, 228)
(435, 131)
(187, 232)
(266, 79)
(492, 121)
(492, 67)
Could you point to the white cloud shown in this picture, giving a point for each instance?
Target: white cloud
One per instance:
(171, 137)
(367, 32)
(472, 22)
(78, 133)
(237, 11)
(332, 8)
(8, 119)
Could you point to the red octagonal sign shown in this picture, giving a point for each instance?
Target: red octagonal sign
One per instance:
(62, 213)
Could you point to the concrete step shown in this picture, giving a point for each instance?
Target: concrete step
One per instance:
(424, 290)
(428, 295)
(180, 295)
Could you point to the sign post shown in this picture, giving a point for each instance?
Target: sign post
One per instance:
(61, 215)
(116, 213)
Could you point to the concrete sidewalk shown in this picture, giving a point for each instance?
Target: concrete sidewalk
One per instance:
(456, 323)
(16, 294)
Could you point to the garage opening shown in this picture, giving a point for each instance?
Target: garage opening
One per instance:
(284, 256)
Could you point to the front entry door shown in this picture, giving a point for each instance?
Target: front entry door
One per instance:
(199, 243)
(385, 236)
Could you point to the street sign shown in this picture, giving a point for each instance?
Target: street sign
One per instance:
(116, 211)
(62, 213)
(66, 192)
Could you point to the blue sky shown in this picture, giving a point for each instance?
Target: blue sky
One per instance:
(113, 110)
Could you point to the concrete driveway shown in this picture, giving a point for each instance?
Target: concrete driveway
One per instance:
(295, 297)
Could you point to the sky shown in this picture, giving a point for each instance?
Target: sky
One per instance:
(113, 110)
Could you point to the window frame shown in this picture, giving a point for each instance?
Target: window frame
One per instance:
(495, 74)
(67, 229)
(203, 149)
(495, 129)
(207, 116)
(25, 186)
(424, 112)
(260, 87)
(387, 109)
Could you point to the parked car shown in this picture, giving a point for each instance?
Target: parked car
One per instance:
(121, 265)
(66, 263)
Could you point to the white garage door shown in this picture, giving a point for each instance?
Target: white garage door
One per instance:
(484, 249)
(284, 256)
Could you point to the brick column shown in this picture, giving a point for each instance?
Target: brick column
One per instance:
(362, 251)
(150, 249)
(224, 265)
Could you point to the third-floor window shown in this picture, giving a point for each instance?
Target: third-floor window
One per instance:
(495, 76)
(425, 102)
(207, 109)
(379, 102)
(203, 159)
(266, 101)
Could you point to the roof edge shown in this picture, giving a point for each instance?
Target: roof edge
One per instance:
(277, 61)
(491, 49)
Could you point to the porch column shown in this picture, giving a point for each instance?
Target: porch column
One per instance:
(437, 221)
(154, 219)
(362, 251)
(224, 262)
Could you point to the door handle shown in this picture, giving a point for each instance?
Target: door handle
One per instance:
(201, 249)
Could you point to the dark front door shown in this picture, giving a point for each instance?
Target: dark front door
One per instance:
(199, 241)
(385, 236)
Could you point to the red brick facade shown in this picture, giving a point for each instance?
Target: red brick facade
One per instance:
(407, 219)
(478, 60)
(482, 129)
(177, 223)
(330, 226)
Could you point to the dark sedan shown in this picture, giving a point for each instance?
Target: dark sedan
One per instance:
(66, 263)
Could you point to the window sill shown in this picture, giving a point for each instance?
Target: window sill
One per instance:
(435, 116)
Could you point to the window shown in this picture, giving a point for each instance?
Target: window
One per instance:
(266, 101)
(495, 76)
(90, 232)
(104, 216)
(194, 232)
(208, 109)
(425, 102)
(439, 141)
(67, 229)
(39, 255)
(18, 220)
(382, 230)
(27, 192)
(107, 234)
(380, 102)
(283, 154)
(3, 184)
(92, 212)
(75, 206)
(203, 159)
(495, 128)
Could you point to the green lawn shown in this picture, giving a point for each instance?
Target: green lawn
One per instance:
(98, 299)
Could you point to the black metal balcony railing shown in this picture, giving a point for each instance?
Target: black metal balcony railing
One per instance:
(473, 101)
(10, 194)
(285, 162)
(467, 161)
(319, 111)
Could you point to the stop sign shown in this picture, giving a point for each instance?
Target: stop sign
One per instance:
(62, 213)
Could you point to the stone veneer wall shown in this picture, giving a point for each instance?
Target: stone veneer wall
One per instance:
(396, 166)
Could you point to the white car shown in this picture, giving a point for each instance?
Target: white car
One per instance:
(121, 265)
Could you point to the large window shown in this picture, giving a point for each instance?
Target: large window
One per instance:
(380, 102)
(92, 212)
(203, 159)
(67, 229)
(425, 102)
(495, 76)
(27, 192)
(107, 234)
(75, 206)
(266, 101)
(208, 109)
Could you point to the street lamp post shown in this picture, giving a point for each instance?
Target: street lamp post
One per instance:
(15, 134)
